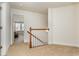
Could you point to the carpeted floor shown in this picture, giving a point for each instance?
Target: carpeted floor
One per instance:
(47, 50)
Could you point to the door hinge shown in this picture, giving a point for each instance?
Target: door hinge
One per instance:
(0, 27)
(0, 7)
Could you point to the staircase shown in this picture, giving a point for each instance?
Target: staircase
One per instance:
(34, 41)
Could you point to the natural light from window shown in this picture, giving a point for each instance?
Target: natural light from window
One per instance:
(19, 26)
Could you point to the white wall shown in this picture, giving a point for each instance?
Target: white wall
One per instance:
(5, 23)
(64, 25)
(34, 20)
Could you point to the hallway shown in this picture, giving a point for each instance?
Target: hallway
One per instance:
(48, 50)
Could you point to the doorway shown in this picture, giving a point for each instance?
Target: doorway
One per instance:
(18, 32)
(18, 29)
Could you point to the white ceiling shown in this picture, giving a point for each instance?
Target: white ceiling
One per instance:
(40, 7)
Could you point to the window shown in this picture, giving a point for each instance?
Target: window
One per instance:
(22, 27)
(19, 26)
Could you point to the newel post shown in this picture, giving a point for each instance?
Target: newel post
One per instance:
(30, 42)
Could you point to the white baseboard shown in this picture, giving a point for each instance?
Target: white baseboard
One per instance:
(72, 45)
(4, 50)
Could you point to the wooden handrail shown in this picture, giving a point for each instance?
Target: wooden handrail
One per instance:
(30, 41)
(35, 37)
(39, 29)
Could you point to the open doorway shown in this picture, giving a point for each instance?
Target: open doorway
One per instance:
(18, 29)
(18, 32)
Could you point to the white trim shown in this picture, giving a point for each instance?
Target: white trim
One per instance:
(72, 45)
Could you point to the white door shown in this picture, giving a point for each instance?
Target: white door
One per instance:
(0, 31)
(61, 22)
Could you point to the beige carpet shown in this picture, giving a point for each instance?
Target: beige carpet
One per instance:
(47, 50)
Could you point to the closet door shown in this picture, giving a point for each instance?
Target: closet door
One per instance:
(62, 25)
(0, 31)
